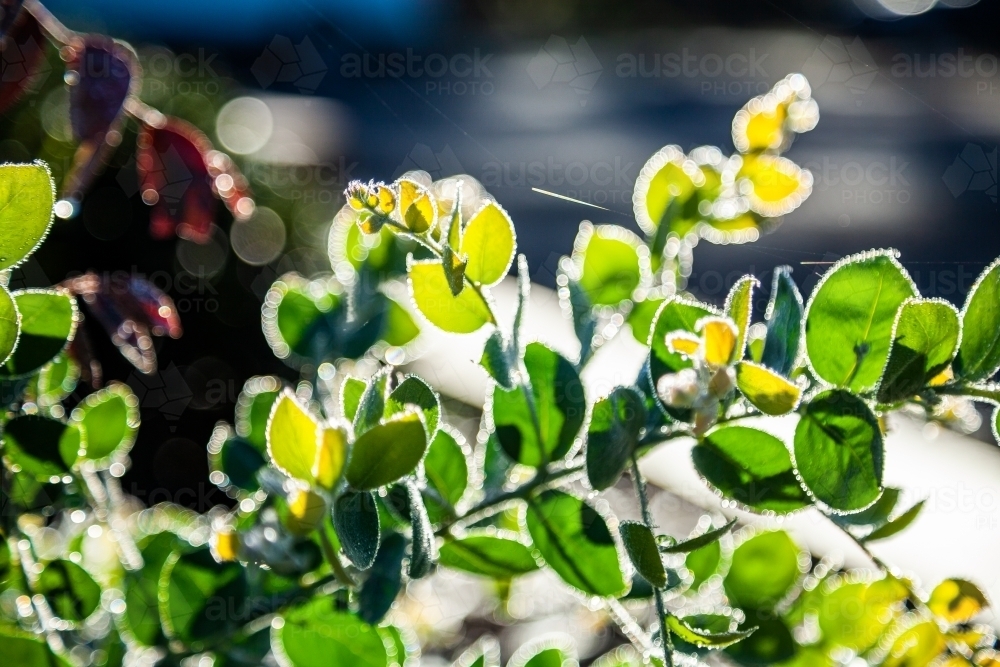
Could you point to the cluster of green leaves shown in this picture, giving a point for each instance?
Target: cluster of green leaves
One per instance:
(55, 462)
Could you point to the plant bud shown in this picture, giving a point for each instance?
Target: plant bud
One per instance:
(679, 390)
(225, 545)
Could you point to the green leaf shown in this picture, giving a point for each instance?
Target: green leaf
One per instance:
(371, 404)
(42, 447)
(200, 598)
(850, 317)
(497, 361)
(57, 379)
(702, 540)
(446, 467)
(141, 586)
(292, 437)
(640, 545)
(766, 390)
(692, 635)
(422, 543)
(763, 571)
(355, 518)
(703, 563)
(70, 590)
(488, 241)
(839, 451)
(612, 435)
(350, 396)
(547, 657)
(875, 515)
(253, 409)
(784, 323)
(855, 615)
(400, 328)
(609, 265)
(575, 541)
(26, 649)
(384, 581)
(10, 325)
(109, 419)
(488, 555)
(235, 458)
(739, 308)
(316, 634)
(918, 645)
(464, 313)
(584, 319)
(543, 428)
(413, 391)
(924, 343)
(751, 467)
(675, 314)
(896, 525)
(27, 195)
(387, 452)
(979, 355)
(48, 322)
(640, 318)
(297, 317)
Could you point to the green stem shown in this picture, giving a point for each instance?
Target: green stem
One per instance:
(647, 518)
(522, 492)
(333, 560)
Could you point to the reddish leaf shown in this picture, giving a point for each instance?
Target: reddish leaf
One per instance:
(22, 57)
(101, 73)
(9, 11)
(174, 179)
(131, 310)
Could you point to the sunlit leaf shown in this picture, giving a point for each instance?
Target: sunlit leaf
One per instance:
(48, 323)
(925, 340)
(26, 199)
(109, 419)
(850, 318)
(609, 263)
(612, 435)
(200, 598)
(768, 391)
(682, 629)
(957, 600)
(292, 437)
(464, 313)
(488, 241)
(387, 452)
(979, 354)
(839, 451)
(317, 634)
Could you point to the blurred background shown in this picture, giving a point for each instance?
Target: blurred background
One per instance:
(568, 96)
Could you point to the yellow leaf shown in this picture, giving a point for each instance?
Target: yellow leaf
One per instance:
(718, 339)
(464, 313)
(766, 390)
(416, 206)
(777, 185)
(956, 600)
(916, 647)
(225, 545)
(292, 437)
(488, 242)
(305, 511)
(683, 342)
(330, 456)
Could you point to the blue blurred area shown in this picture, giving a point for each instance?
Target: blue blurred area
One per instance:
(239, 22)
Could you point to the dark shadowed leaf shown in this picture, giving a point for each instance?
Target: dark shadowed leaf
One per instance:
(575, 541)
(925, 341)
(979, 355)
(784, 323)
(640, 545)
(356, 520)
(384, 580)
(612, 435)
(751, 467)
(42, 447)
(702, 540)
(200, 598)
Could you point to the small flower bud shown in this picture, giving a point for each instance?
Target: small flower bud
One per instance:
(679, 390)
(225, 544)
